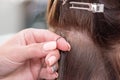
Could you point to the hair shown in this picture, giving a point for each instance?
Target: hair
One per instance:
(94, 38)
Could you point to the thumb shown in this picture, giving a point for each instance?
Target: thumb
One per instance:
(36, 50)
(39, 50)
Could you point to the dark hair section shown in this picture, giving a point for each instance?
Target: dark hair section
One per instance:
(94, 38)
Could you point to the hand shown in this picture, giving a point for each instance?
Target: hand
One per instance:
(31, 51)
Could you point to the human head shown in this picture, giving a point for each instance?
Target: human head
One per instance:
(87, 60)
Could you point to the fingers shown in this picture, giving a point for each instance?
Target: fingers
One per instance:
(52, 69)
(51, 54)
(49, 72)
(39, 50)
(41, 71)
(52, 58)
(39, 43)
(63, 45)
(44, 74)
(41, 35)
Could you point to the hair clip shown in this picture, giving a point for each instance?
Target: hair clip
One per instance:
(94, 7)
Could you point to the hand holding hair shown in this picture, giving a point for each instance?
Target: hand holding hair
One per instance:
(26, 52)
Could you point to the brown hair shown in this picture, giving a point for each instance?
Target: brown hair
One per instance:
(94, 37)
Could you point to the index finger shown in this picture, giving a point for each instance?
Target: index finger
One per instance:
(42, 35)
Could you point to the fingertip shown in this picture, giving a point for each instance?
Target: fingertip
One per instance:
(56, 74)
(52, 58)
(48, 76)
(68, 45)
(62, 44)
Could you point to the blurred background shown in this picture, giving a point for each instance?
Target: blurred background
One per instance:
(16, 15)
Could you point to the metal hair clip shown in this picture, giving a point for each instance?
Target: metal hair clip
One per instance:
(94, 7)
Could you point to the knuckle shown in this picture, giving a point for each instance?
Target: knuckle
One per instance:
(34, 48)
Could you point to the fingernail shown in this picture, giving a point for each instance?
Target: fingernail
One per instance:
(50, 46)
(53, 69)
(69, 47)
(51, 60)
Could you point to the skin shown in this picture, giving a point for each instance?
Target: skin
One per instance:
(31, 51)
